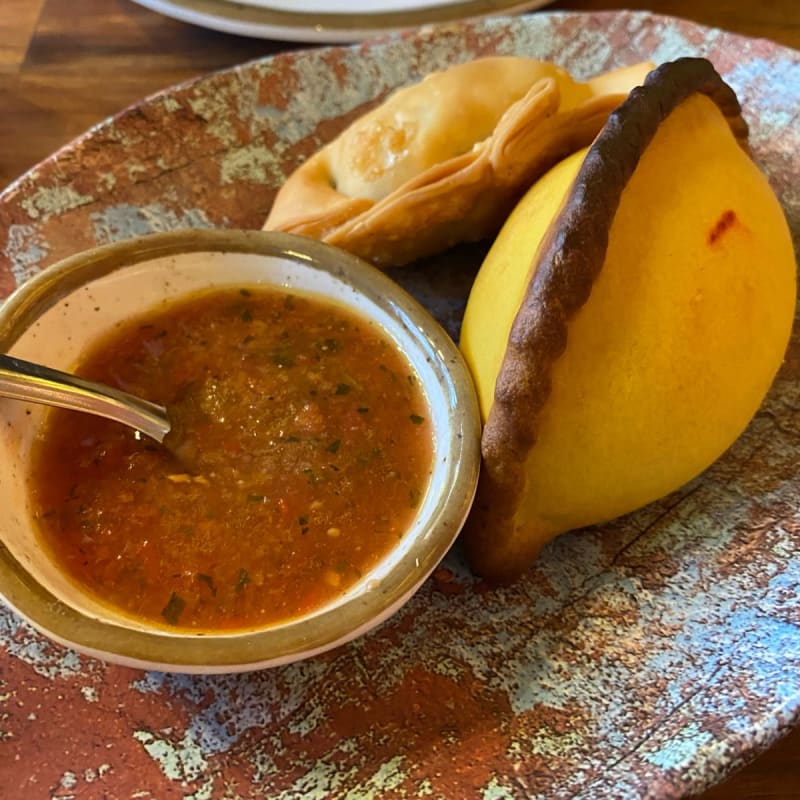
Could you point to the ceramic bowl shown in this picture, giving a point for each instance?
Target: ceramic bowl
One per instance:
(52, 318)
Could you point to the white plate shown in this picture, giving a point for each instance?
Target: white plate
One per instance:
(349, 7)
(328, 20)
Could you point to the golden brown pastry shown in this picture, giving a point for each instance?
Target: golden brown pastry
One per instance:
(444, 161)
(628, 320)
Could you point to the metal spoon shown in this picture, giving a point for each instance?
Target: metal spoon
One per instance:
(23, 380)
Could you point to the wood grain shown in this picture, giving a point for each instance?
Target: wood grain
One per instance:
(78, 68)
(66, 65)
(17, 27)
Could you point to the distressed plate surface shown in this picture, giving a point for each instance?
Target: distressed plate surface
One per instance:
(648, 657)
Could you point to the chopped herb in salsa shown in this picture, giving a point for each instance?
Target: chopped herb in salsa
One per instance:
(173, 609)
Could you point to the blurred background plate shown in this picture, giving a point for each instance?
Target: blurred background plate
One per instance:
(351, 7)
(645, 658)
(328, 20)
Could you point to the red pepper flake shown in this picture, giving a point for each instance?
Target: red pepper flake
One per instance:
(724, 223)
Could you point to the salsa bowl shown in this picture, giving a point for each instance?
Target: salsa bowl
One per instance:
(56, 316)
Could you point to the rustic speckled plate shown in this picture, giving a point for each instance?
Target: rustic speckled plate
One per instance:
(646, 658)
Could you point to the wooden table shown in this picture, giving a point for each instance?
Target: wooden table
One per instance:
(65, 65)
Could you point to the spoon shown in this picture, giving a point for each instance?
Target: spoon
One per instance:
(23, 380)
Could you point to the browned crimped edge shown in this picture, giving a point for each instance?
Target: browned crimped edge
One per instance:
(569, 261)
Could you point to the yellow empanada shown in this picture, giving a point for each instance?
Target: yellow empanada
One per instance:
(445, 160)
(628, 320)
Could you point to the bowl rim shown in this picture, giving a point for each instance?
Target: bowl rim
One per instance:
(237, 651)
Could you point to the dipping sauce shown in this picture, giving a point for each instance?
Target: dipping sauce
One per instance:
(312, 450)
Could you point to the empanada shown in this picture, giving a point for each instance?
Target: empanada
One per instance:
(444, 161)
(628, 320)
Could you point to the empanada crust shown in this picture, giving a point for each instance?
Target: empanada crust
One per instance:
(392, 197)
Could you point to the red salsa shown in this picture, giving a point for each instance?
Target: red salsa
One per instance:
(311, 449)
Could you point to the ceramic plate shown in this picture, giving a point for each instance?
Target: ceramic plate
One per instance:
(328, 20)
(647, 657)
(349, 6)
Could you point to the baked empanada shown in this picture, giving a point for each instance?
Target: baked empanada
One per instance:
(445, 160)
(628, 320)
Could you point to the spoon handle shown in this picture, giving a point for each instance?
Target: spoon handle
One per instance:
(22, 380)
